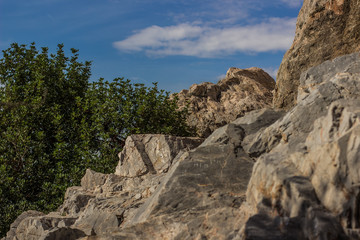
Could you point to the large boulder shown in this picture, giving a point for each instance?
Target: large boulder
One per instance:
(153, 153)
(214, 105)
(324, 30)
(32, 225)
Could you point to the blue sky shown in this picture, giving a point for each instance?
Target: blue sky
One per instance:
(173, 42)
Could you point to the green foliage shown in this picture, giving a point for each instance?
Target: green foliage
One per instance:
(54, 124)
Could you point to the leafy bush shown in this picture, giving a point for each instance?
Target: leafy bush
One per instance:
(54, 125)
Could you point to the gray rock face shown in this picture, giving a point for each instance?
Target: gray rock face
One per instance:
(310, 176)
(201, 185)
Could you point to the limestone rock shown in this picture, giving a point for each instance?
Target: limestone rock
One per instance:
(13, 228)
(76, 198)
(309, 176)
(103, 202)
(49, 227)
(200, 196)
(320, 86)
(324, 30)
(151, 153)
(214, 105)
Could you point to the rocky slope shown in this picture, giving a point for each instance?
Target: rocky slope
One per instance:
(214, 105)
(324, 30)
(267, 175)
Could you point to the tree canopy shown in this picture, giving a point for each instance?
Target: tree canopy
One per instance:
(55, 123)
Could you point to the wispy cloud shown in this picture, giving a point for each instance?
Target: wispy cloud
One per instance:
(212, 11)
(201, 41)
(293, 3)
(225, 11)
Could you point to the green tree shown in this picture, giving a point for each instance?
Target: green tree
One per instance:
(54, 124)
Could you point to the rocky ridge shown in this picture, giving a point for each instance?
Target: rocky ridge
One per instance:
(324, 30)
(267, 175)
(214, 105)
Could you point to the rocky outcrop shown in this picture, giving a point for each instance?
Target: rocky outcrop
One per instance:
(324, 30)
(269, 174)
(214, 105)
(201, 192)
(103, 202)
(309, 178)
(156, 152)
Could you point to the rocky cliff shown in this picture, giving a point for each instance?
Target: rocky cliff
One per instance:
(214, 105)
(325, 29)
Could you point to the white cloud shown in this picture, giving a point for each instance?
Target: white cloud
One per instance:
(195, 40)
(158, 37)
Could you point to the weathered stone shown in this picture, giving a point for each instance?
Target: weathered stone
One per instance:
(92, 179)
(101, 216)
(105, 201)
(12, 232)
(153, 154)
(250, 124)
(200, 195)
(310, 176)
(332, 161)
(49, 227)
(316, 93)
(74, 201)
(324, 30)
(214, 105)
